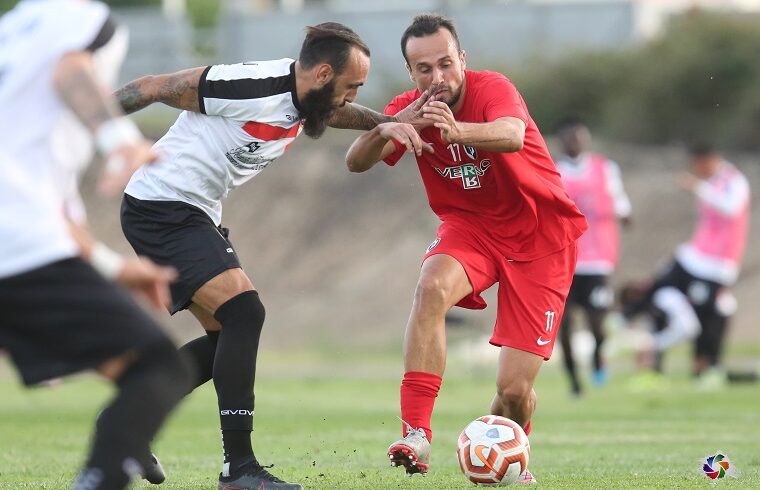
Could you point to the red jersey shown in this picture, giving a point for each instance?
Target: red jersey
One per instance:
(515, 199)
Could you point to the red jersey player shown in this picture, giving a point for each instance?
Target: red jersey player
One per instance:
(505, 219)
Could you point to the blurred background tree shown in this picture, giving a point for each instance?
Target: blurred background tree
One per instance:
(7, 5)
(700, 79)
(204, 14)
(132, 3)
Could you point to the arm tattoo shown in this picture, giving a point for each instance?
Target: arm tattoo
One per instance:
(355, 116)
(84, 97)
(132, 97)
(180, 92)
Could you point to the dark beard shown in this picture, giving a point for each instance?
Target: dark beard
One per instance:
(454, 98)
(317, 109)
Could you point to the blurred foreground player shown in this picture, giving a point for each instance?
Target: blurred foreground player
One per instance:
(60, 316)
(593, 182)
(506, 219)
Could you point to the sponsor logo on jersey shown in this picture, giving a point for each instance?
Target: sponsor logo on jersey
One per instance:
(470, 173)
(244, 157)
(470, 152)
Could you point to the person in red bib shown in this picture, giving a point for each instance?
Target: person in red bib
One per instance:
(505, 216)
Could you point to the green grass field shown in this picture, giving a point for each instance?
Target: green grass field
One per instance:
(328, 426)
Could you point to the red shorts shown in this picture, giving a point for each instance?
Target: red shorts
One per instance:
(531, 294)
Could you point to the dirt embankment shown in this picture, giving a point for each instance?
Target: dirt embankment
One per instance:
(335, 255)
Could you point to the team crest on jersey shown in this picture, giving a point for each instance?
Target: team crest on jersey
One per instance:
(244, 157)
(470, 152)
(470, 173)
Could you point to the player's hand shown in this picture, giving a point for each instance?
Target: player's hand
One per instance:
(148, 281)
(413, 113)
(440, 114)
(688, 181)
(122, 163)
(406, 135)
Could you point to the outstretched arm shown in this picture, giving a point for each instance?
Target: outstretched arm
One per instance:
(376, 144)
(116, 137)
(355, 116)
(74, 80)
(178, 90)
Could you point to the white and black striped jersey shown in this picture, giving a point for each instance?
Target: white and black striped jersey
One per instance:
(249, 117)
(44, 146)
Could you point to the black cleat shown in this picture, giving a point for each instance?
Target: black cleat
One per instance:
(154, 472)
(253, 476)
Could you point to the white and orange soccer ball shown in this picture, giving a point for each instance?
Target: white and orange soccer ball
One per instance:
(493, 451)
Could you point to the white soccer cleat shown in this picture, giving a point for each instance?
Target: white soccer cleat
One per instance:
(412, 452)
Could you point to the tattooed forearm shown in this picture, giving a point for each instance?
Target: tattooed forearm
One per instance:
(354, 116)
(178, 90)
(133, 96)
(78, 88)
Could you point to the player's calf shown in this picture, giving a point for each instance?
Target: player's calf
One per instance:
(148, 390)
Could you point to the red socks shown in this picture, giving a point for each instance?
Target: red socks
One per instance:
(418, 393)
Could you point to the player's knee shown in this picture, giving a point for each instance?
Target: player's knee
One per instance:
(513, 392)
(245, 314)
(432, 292)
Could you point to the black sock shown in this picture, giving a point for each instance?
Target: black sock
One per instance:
(234, 373)
(148, 390)
(200, 352)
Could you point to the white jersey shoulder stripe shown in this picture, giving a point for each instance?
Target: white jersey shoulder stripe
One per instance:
(246, 81)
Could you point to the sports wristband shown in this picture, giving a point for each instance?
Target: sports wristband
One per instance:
(115, 133)
(106, 261)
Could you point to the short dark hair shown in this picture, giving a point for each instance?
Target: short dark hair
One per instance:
(329, 42)
(569, 121)
(701, 149)
(426, 25)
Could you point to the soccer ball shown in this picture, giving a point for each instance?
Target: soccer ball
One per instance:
(493, 450)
